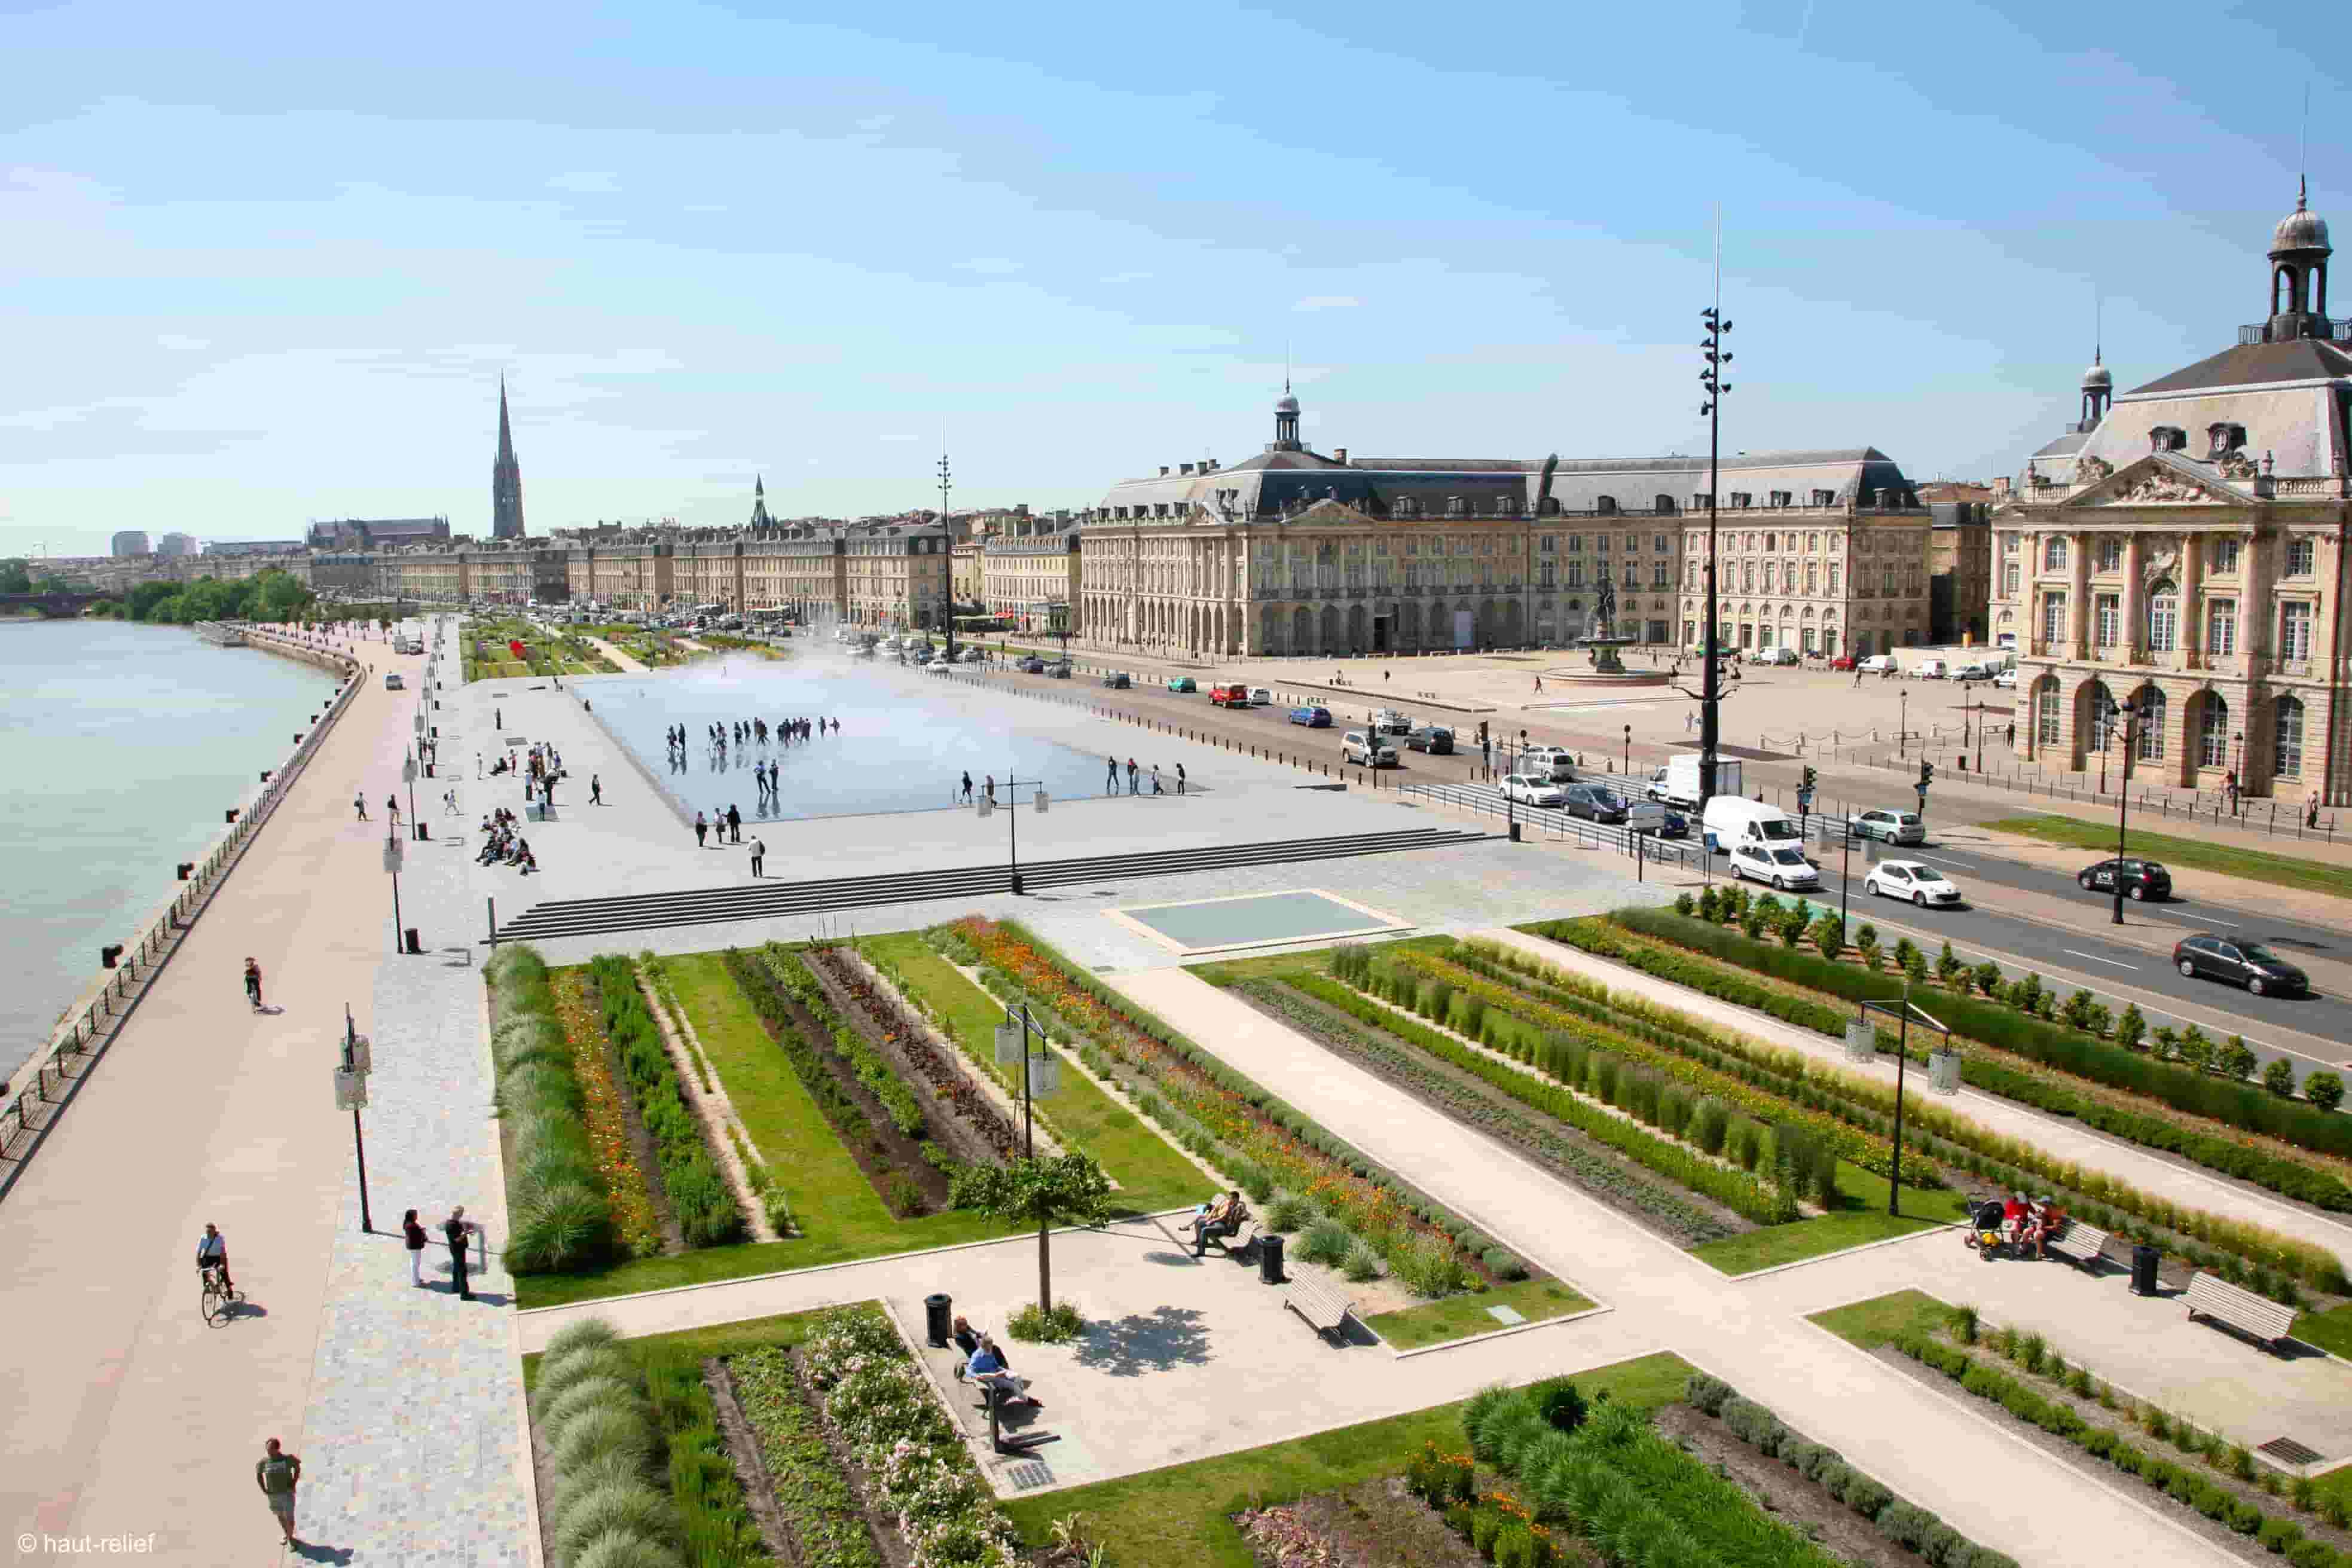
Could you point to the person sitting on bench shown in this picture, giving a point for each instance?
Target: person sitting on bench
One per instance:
(1222, 1217)
(988, 1368)
(966, 1339)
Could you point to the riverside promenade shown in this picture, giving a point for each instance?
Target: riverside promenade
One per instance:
(126, 1414)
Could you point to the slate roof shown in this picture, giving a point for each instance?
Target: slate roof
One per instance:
(2253, 364)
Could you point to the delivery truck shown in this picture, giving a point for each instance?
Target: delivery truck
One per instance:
(1676, 784)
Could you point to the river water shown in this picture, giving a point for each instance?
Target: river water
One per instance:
(123, 745)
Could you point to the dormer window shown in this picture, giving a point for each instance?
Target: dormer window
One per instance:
(1406, 507)
(2225, 439)
(2167, 438)
(1783, 497)
(1824, 497)
(1701, 500)
(1455, 507)
(1663, 505)
(1606, 505)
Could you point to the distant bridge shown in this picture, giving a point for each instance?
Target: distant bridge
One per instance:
(50, 605)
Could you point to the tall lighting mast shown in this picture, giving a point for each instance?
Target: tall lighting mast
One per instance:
(1711, 691)
(947, 540)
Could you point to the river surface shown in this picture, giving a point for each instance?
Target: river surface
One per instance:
(123, 745)
(905, 740)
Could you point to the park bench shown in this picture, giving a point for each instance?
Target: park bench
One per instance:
(1324, 1308)
(1242, 1244)
(2085, 1244)
(2243, 1309)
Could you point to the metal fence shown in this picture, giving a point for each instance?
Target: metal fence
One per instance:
(57, 1069)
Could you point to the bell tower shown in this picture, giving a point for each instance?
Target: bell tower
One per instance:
(2299, 253)
(1286, 421)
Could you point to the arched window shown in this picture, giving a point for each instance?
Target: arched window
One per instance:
(2153, 717)
(1664, 503)
(2163, 617)
(2286, 755)
(2213, 732)
(2053, 555)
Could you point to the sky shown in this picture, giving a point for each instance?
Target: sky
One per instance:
(263, 265)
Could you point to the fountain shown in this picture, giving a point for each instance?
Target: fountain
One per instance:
(1602, 642)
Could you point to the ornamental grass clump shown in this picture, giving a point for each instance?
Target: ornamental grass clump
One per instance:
(560, 1199)
(606, 1503)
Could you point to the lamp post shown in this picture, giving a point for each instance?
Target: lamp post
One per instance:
(2123, 801)
(1628, 766)
(947, 539)
(1011, 808)
(355, 1062)
(1711, 686)
(1903, 722)
(408, 777)
(391, 866)
(1902, 1011)
(1012, 1047)
(2237, 769)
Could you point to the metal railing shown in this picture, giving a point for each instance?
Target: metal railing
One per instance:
(1557, 824)
(74, 1047)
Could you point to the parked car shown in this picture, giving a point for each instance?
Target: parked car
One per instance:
(1894, 827)
(1928, 670)
(392, 681)
(1554, 761)
(1059, 669)
(973, 655)
(2248, 964)
(1261, 697)
(1877, 664)
(1367, 749)
(939, 666)
(1533, 789)
(1433, 738)
(1981, 671)
(1118, 681)
(1312, 717)
(1668, 824)
(2142, 879)
(1774, 656)
(2007, 679)
(1920, 882)
(1782, 865)
(1182, 683)
(1032, 665)
(1842, 662)
(1595, 804)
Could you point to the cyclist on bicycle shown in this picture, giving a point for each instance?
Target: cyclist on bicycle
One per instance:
(212, 1254)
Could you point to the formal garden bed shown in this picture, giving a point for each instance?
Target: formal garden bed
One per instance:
(966, 1121)
(2222, 1492)
(691, 1189)
(2282, 1267)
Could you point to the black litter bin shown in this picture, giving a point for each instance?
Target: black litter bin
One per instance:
(1269, 1259)
(412, 945)
(2143, 1278)
(938, 1326)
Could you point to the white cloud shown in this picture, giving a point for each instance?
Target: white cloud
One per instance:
(584, 184)
(994, 266)
(182, 342)
(1328, 302)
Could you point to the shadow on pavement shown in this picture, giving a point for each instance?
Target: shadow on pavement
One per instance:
(1158, 1340)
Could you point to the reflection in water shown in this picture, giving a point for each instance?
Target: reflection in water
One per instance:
(905, 740)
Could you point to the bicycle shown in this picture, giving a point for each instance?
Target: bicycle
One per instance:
(217, 1300)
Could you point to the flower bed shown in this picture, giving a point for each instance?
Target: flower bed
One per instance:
(715, 1522)
(1390, 1053)
(985, 1061)
(1258, 1131)
(818, 1505)
(562, 1181)
(605, 1119)
(2252, 1256)
(1909, 1526)
(707, 1211)
(897, 1101)
(907, 1037)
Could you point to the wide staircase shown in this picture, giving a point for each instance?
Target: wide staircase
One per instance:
(775, 900)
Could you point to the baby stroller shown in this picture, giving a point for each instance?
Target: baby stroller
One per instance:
(1988, 1233)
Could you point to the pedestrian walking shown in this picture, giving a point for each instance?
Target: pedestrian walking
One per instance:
(448, 802)
(412, 1234)
(991, 789)
(1180, 778)
(359, 804)
(595, 789)
(478, 765)
(391, 808)
(1110, 776)
(500, 712)
(1131, 775)
(1539, 685)
(967, 785)
(1155, 780)
(734, 825)
(253, 984)
(702, 828)
(458, 1229)
(278, 1473)
(759, 856)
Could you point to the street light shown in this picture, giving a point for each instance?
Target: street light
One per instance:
(1012, 813)
(408, 777)
(355, 1062)
(2123, 797)
(2237, 769)
(1041, 1074)
(1903, 1012)
(391, 866)
(1711, 687)
(1628, 768)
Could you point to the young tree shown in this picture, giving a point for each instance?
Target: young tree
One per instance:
(2279, 1077)
(1071, 1190)
(2325, 1090)
(2236, 1059)
(2132, 1028)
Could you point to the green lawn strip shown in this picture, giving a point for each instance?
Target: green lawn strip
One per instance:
(1179, 1517)
(1860, 1217)
(2330, 1331)
(1458, 1317)
(2200, 854)
(1881, 1319)
(1151, 1175)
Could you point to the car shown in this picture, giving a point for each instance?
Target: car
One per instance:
(2142, 879)
(1877, 664)
(1118, 681)
(2007, 679)
(1261, 697)
(1533, 789)
(1367, 749)
(1433, 738)
(972, 655)
(1967, 673)
(1894, 827)
(2248, 964)
(1928, 670)
(1555, 761)
(939, 666)
(392, 681)
(1312, 717)
(1182, 683)
(1224, 695)
(1595, 804)
(1917, 881)
(1032, 665)
(1668, 823)
(1059, 669)
(1782, 865)
(1389, 721)
(1776, 656)
(1842, 662)
(888, 645)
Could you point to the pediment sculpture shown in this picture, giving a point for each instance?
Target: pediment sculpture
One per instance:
(2160, 562)
(2237, 465)
(2090, 470)
(2157, 486)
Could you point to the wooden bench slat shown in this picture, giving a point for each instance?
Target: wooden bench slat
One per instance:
(1323, 1308)
(2224, 1303)
(2080, 1241)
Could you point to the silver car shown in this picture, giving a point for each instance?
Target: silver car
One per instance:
(1895, 827)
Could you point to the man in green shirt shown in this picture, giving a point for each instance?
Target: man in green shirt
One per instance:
(276, 1475)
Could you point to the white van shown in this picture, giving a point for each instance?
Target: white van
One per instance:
(1929, 670)
(1556, 761)
(1876, 664)
(1732, 821)
(1784, 865)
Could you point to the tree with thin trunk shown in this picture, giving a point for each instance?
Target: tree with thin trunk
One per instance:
(1069, 1190)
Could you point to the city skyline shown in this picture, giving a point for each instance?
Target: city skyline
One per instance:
(705, 247)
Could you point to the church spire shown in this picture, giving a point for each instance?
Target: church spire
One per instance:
(506, 478)
(760, 518)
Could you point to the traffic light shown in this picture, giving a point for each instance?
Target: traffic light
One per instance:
(1809, 777)
(1926, 774)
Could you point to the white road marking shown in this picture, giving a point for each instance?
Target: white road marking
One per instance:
(2094, 959)
(2206, 920)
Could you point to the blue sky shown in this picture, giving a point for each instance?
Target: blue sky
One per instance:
(266, 266)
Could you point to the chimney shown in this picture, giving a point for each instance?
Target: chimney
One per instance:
(1339, 455)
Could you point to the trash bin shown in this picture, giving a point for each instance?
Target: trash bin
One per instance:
(414, 944)
(937, 1325)
(1269, 1259)
(2143, 1278)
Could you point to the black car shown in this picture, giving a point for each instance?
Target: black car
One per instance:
(1433, 738)
(1591, 800)
(1032, 665)
(2141, 878)
(2248, 964)
(1118, 681)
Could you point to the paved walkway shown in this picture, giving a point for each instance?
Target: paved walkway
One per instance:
(626, 664)
(125, 1413)
(2067, 1139)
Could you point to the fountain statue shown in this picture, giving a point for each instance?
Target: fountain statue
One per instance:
(1602, 640)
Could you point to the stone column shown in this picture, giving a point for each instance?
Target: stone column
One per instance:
(2189, 649)
(2078, 593)
(2133, 601)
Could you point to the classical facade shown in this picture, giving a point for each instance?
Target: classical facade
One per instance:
(1296, 552)
(707, 567)
(895, 576)
(2181, 550)
(1959, 568)
(1033, 578)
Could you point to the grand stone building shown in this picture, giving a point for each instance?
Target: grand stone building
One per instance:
(1296, 552)
(2180, 549)
(1035, 578)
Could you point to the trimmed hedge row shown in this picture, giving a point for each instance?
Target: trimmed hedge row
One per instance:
(2183, 1483)
(2053, 1045)
(705, 1205)
(1903, 1523)
(561, 1206)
